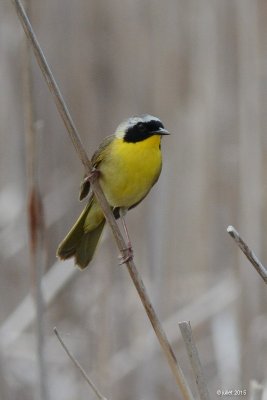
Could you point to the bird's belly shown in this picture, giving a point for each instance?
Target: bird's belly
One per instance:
(130, 171)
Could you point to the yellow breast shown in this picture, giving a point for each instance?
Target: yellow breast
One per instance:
(129, 170)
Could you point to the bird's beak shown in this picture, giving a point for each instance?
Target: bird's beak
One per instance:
(161, 131)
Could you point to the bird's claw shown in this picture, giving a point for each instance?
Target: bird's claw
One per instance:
(93, 176)
(126, 256)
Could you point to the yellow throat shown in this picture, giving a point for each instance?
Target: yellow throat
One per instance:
(130, 170)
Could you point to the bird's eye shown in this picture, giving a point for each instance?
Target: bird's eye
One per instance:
(141, 126)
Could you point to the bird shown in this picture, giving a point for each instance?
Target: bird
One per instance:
(127, 164)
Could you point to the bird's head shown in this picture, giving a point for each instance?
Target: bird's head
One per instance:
(136, 129)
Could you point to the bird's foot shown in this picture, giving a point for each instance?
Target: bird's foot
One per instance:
(127, 255)
(93, 176)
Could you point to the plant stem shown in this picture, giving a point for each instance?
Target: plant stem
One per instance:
(260, 268)
(35, 213)
(192, 352)
(78, 365)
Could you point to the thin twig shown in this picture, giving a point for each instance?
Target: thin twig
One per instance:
(262, 271)
(192, 352)
(78, 365)
(35, 212)
(62, 108)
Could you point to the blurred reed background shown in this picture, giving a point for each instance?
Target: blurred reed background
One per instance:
(201, 66)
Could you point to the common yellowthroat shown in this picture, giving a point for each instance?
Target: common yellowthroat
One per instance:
(129, 164)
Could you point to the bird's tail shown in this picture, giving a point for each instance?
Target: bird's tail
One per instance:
(84, 236)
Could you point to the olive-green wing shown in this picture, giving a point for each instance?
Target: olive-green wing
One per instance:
(101, 152)
(98, 156)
